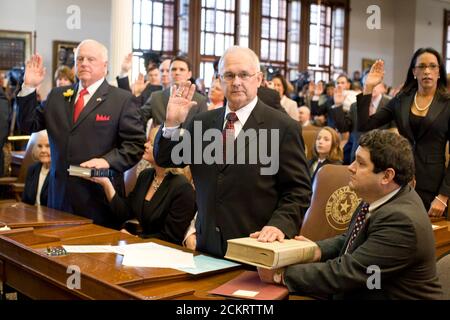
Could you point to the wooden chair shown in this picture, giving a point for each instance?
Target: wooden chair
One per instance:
(332, 204)
(309, 134)
(17, 183)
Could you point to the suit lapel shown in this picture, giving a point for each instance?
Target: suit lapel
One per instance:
(437, 106)
(70, 104)
(98, 98)
(165, 98)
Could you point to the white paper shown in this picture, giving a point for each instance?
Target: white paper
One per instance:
(245, 293)
(158, 258)
(88, 249)
(146, 245)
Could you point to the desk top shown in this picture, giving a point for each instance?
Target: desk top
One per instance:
(21, 215)
(102, 274)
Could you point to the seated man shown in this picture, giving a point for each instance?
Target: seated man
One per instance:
(388, 251)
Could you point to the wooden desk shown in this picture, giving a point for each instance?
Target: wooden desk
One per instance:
(25, 266)
(16, 162)
(442, 237)
(21, 215)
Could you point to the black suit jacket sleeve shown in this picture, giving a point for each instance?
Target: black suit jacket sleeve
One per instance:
(383, 116)
(391, 245)
(342, 119)
(318, 110)
(30, 114)
(123, 83)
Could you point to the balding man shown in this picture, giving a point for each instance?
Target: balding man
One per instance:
(91, 124)
(304, 116)
(236, 197)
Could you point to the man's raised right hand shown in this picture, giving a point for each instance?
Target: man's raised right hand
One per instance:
(180, 102)
(34, 71)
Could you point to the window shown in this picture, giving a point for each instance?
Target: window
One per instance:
(326, 41)
(293, 61)
(273, 33)
(153, 30)
(446, 44)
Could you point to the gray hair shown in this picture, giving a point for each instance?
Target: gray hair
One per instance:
(244, 50)
(102, 48)
(39, 136)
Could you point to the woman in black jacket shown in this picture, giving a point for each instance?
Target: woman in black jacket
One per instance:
(163, 200)
(36, 181)
(422, 115)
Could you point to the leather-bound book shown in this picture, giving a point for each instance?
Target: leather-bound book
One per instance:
(270, 255)
(248, 285)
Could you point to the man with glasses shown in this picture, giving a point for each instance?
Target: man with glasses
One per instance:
(156, 105)
(237, 199)
(91, 124)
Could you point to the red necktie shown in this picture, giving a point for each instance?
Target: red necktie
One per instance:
(79, 104)
(228, 131)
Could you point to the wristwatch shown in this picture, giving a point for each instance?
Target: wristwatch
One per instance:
(278, 276)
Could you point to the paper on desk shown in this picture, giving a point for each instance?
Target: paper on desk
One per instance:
(88, 249)
(146, 245)
(206, 264)
(158, 258)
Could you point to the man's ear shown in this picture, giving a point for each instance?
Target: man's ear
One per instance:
(389, 175)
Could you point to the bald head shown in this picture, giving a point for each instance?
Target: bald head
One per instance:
(304, 115)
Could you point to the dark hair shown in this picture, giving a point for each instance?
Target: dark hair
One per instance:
(182, 59)
(283, 83)
(151, 58)
(390, 150)
(343, 75)
(411, 85)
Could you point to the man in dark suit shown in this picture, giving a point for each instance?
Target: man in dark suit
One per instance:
(143, 88)
(234, 198)
(90, 124)
(156, 106)
(348, 122)
(388, 251)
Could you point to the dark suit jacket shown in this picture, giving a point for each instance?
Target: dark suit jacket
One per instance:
(156, 107)
(168, 213)
(429, 148)
(271, 98)
(348, 122)
(124, 83)
(4, 125)
(235, 199)
(31, 185)
(397, 237)
(119, 140)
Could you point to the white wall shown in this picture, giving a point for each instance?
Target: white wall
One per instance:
(429, 23)
(18, 15)
(371, 44)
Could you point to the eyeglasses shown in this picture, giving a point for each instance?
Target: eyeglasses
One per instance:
(229, 76)
(431, 66)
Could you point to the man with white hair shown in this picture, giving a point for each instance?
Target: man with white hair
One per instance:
(91, 124)
(237, 198)
(304, 116)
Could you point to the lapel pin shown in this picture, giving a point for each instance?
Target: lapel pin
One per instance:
(99, 99)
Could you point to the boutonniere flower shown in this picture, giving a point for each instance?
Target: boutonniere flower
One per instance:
(68, 93)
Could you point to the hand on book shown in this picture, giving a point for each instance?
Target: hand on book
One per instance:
(317, 252)
(97, 163)
(268, 234)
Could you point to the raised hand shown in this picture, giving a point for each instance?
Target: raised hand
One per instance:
(374, 77)
(126, 64)
(180, 102)
(34, 71)
(139, 85)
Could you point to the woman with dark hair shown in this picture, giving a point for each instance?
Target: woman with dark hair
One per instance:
(281, 86)
(327, 150)
(422, 114)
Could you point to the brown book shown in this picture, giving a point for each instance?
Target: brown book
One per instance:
(270, 255)
(248, 285)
